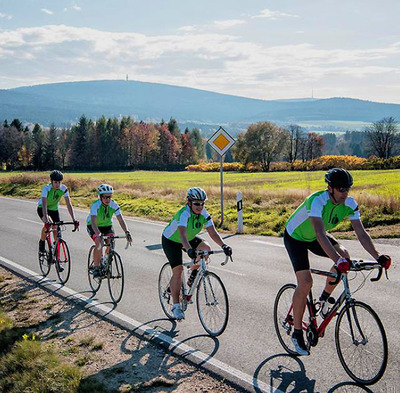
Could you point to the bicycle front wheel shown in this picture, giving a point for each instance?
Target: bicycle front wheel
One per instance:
(63, 261)
(115, 277)
(284, 319)
(93, 282)
(361, 343)
(212, 304)
(45, 259)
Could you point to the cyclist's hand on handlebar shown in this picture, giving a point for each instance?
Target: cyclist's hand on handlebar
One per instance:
(192, 253)
(385, 261)
(76, 225)
(128, 237)
(343, 264)
(227, 250)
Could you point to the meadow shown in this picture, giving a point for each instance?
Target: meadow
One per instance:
(268, 198)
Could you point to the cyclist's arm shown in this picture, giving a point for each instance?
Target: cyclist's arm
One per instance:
(94, 225)
(44, 207)
(323, 240)
(183, 235)
(215, 235)
(364, 238)
(122, 222)
(69, 207)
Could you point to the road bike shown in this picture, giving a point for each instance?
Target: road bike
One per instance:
(111, 268)
(360, 337)
(56, 252)
(211, 296)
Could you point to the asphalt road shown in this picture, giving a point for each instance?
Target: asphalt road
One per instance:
(260, 268)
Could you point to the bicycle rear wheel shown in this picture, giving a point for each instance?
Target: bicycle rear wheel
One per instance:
(212, 304)
(361, 343)
(93, 282)
(45, 259)
(63, 261)
(115, 277)
(164, 291)
(283, 317)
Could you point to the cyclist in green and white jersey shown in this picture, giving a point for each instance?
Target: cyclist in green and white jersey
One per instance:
(306, 230)
(99, 222)
(181, 233)
(48, 204)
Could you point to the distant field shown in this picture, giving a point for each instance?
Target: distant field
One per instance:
(268, 198)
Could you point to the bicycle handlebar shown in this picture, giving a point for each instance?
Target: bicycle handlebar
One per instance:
(355, 266)
(203, 253)
(105, 237)
(61, 223)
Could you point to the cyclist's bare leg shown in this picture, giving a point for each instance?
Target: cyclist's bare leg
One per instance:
(97, 251)
(304, 284)
(345, 254)
(203, 246)
(176, 283)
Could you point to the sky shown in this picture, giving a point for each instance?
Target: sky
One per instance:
(259, 49)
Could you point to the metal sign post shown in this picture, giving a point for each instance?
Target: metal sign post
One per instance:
(221, 142)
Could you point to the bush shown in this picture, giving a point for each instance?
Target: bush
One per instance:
(32, 367)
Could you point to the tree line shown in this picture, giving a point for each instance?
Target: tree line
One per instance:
(112, 144)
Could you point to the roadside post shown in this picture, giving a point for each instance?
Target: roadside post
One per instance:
(221, 142)
(239, 205)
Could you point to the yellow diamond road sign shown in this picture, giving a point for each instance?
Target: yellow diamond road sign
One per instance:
(221, 141)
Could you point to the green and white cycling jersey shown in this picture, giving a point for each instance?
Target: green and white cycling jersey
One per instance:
(103, 213)
(53, 196)
(320, 205)
(194, 223)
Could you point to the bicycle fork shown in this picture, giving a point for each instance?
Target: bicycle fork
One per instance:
(353, 317)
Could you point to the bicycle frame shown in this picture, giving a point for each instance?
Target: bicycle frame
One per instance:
(345, 297)
(201, 272)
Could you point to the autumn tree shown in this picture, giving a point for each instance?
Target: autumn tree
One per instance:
(382, 137)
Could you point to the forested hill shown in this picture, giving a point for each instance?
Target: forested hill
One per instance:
(64, 103)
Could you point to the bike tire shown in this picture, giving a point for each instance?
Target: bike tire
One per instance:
(115, 277)
(365, 361)
(63, 261)
(283, 317)
(164, 295)
(45, 259)
(212, 304)
(94, 283)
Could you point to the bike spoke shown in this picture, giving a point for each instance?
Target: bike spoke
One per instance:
(361, 343)
(115, 277)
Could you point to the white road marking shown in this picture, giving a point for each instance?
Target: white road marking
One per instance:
(149, 333)
(267, 243)
(25, 219)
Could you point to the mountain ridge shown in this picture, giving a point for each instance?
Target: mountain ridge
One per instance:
(64, 102)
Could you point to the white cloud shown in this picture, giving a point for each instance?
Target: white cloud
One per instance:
(48, 12)
(188, 28)
(269, 14)
(5, 16)
(226, 24)
(219, 62)
(76, 7)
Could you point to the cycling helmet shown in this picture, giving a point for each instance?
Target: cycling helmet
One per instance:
(56, 175)
(196, 194)
(339, 177)
(104, 189)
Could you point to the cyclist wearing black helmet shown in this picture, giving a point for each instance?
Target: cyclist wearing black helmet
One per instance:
(306, 229)
(48, 204)
(181, 233)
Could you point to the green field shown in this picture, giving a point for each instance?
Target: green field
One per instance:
(268, 198)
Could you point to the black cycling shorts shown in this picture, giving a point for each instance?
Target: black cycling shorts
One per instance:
(103, 230)
(173, 250)
(54, 214)
(298, 250)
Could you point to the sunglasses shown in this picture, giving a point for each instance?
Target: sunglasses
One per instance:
(198, 203)
(343, 189)
(106, 196)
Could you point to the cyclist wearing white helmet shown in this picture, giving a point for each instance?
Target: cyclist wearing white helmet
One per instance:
(181, 233)
(99, 221)
(306, 230)
(48, 204)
